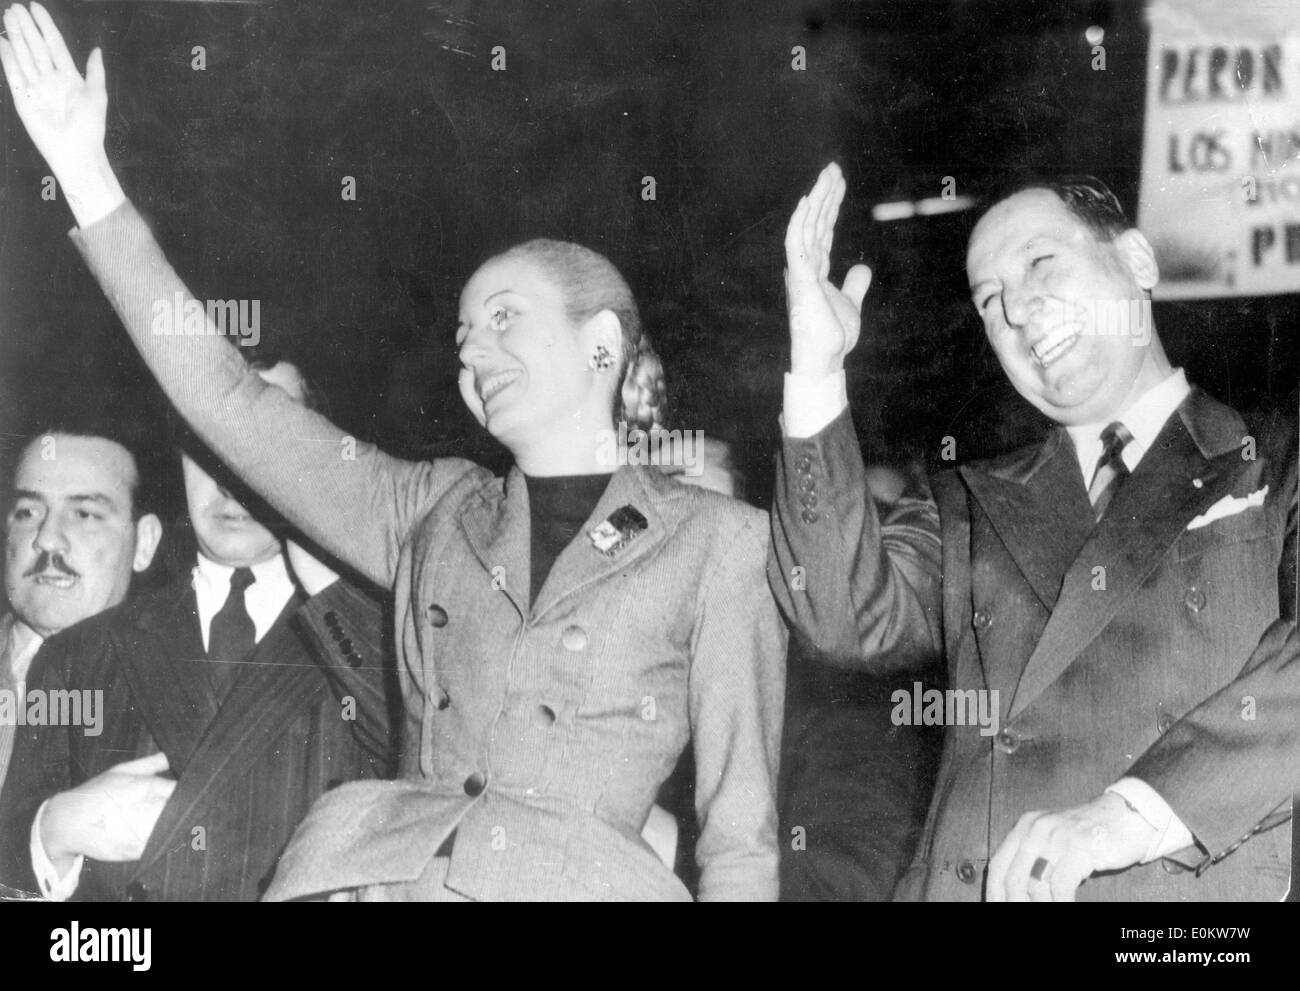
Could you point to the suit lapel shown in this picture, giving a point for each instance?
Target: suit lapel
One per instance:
(163, 659)
(280, 677)
(1193, 463)
(581, 562)
(1039, 509)
(499, 531)
(496, 525)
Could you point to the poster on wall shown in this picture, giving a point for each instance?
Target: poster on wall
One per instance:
(1220, 195)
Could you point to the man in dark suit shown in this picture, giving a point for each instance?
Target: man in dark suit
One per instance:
(79, 523)
(238, 702)
(1121, 596)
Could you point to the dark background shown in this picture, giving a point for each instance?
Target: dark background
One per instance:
(240, 167)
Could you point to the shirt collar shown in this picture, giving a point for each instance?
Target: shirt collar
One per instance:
(1145, 417)
(24, 642)
(269, 577)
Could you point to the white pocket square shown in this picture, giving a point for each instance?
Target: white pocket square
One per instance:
(1229, 506)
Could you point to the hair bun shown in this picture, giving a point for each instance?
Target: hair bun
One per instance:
(645, 392)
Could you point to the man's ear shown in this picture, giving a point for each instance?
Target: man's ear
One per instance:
(148, 534)
(1136, 251)
(604, 328)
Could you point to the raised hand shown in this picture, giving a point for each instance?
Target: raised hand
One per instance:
(63, 113)
(108, 818)
(824, 321)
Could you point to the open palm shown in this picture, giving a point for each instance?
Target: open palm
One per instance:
(64, 114)
(824, 321)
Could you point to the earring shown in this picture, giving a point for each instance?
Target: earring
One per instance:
(602, 360)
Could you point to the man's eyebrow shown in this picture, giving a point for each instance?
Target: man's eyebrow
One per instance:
(98, 498)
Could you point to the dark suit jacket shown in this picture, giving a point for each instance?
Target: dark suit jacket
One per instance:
(247, 769)
(1124, 647)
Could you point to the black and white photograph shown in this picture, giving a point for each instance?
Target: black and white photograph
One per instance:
(538, 451)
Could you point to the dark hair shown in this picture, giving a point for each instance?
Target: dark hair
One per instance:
(590, 283)
(148, 491)
(1087, 197)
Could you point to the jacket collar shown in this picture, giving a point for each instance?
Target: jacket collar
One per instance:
(497, 525)
(1193, 463)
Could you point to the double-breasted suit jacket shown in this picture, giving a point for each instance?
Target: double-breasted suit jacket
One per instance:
(1116, 648)
(540, 735)
(247, 766)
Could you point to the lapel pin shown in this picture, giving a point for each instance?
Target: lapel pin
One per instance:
(616, 532)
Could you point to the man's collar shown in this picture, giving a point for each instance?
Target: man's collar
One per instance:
(272, 571)
(24, 642)
(1144, 417)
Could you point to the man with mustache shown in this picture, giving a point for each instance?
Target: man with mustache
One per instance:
(78, 526)
(1127, 586)
(240, 692)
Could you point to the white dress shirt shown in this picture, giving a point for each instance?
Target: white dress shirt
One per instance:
(812, 402)
(265, 599)
(19, 646)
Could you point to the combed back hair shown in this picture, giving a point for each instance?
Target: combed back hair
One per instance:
(1087, 197)
(590, 283)
(149, 493)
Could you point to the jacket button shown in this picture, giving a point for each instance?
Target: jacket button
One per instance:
(574, 638)
(544, 716)
(137, 892)
(982, 620)
(1008, 742)
(807, 484)
(1165, 723)
(475, 784)
(967, 872)
(810, 516)
(331, 618)
(804, 464)
(444, 700)
(809, 500)
(437, 616)
(1194, 599)
(354, 660)
(345, 645)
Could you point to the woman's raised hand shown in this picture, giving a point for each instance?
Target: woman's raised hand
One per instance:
(824, 321)
(64, 114)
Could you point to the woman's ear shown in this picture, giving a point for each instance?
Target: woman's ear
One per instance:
(603, 330)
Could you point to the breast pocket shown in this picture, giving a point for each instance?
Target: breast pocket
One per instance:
(1251, 524)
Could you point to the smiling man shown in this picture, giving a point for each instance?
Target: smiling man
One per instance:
(1126, 587)
(75, 532)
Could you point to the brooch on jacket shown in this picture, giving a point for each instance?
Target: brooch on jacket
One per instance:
(617, 531)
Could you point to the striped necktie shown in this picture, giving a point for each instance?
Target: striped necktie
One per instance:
(1111, 469)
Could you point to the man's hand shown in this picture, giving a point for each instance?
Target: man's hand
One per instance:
(1049, 854)
(64, 114)
(108, 818)
(313, 574)
(824, 321)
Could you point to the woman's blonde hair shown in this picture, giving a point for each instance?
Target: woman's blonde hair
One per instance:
(590, 283)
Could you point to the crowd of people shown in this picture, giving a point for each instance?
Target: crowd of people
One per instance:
(378, 679)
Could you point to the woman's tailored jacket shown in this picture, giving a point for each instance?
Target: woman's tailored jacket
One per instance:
(540, 736)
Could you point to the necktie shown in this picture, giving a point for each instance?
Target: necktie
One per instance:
(1111, 469)
(232, 634)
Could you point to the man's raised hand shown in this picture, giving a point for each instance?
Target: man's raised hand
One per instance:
(63, 113)
(824, 321)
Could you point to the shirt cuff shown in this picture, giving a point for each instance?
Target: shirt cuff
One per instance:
(812, 402)
(1171, 834)
(53, 887)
